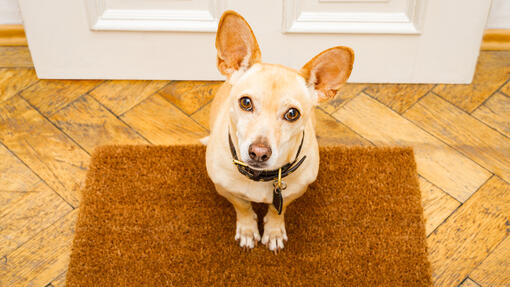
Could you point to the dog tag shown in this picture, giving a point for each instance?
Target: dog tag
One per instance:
(278, 199)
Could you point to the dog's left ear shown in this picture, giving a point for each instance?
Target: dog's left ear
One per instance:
(327, 71)
(236, 45)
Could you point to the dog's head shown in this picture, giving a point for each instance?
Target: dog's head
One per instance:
(270, 105)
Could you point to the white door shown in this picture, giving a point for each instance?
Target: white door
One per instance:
(410, 41)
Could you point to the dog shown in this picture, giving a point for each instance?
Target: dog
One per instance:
(262, 146)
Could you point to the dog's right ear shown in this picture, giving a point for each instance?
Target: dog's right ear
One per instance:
(236, 45)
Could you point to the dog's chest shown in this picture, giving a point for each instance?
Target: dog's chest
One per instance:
(254, 191)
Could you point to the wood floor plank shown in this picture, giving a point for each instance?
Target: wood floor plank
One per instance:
(329, 131)
(24, 218)
(15, 57)
(49, 96)
(441, 165)
(202, 116)
(344, 94)
(461, 131)
(189, 96)
(469, 283)
(495, 269)
(399, 97)
(120, 96)
(437, 205)
(90, 124)
(10, 196)
(14, 80)
(162, 123)
(60, 281)
(506, 88)
(14, 175)
(492, 71)
(466, 238)
(495, 112)
(43, 258)
(45, 149)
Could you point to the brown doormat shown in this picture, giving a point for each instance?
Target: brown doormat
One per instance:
(150, 217)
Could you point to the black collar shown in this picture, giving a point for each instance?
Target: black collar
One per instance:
(266, 175)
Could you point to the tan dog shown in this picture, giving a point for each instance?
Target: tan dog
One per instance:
(267, 111)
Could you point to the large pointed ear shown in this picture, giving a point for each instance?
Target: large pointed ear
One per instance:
(327, 71)
(236, 45)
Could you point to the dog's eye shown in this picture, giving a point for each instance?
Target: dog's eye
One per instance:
(246, 104)
(291, 115)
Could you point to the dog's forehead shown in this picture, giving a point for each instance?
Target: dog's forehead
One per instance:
(262, 78)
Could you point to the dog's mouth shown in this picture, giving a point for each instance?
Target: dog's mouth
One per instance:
(256, 165)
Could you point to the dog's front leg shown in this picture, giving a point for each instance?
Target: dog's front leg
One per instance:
(247, 231)
(274, 229)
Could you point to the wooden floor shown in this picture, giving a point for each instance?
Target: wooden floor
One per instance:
(460, 133)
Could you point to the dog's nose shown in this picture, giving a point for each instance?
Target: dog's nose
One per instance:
(259, 152)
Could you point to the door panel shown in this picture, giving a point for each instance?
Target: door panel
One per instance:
(410, 41)
(176, 15)
(340, 16)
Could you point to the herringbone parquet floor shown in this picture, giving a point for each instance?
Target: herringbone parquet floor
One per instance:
(460, 134)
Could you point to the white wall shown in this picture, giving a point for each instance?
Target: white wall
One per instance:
(9, 12)
(499, 17)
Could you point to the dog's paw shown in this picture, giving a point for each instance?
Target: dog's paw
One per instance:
(274, 235)
(204, 140)
(247, 233)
